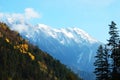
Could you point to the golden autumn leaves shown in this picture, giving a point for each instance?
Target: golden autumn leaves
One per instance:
(23, 49)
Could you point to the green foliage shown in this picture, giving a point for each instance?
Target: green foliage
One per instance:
(101, 63)
(114, 37)
(113, 42)
(112, 63)
(20, 60)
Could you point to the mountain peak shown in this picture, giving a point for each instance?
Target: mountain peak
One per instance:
(85, 35)
(63, 35)
(43, 26)
(66, 34)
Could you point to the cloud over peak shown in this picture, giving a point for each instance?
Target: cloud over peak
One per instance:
(18, 20)
(29, 13)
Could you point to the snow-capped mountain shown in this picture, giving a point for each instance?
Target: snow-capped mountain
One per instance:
(72, 46)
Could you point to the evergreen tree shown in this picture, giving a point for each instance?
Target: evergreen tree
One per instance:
(118, 53)
(107, 65)
(101, 63)
(114, 36)
(115, 54)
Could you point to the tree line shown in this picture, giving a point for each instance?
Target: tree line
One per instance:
(107, 59)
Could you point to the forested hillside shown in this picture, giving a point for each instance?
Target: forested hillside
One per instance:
(20, 60)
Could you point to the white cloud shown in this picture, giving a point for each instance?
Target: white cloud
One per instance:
(31, 13)
(20, 27)
(11, 18)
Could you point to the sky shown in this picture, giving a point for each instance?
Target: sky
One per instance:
(93, 16)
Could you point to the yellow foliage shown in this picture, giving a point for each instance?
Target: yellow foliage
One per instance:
(43, 67)
(22, 47)
(31, 56)
(23, 51)
(4, 27)
(7, 40)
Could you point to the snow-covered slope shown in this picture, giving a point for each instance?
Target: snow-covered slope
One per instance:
(72, 46)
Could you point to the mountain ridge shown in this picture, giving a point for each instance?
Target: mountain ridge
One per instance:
(72, 46)
(69, 32)
(22, 61)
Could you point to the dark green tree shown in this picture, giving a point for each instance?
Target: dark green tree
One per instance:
(113, 47)
(118, 53)
(114, 35)
(107, 65)
(101, 64)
